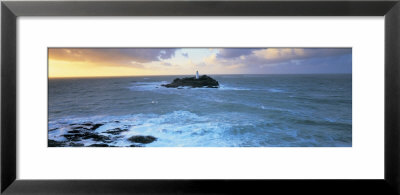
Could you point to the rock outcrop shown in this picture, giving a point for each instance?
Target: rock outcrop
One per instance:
(142, 139)
(203, 81)
(85, 135)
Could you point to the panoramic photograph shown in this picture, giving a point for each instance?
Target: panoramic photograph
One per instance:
(199, 97)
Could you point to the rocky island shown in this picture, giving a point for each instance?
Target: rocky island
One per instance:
(194, 82)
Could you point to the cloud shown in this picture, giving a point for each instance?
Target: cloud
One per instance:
(211, 59)
(166, 64)
(234, 52)
(112, 56)
(284, 54)
(274, 56)
(218, 60)
(264, 60)
(163, 54)
(329, 64)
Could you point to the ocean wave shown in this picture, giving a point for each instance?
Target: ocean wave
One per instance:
(233, 88)
(179, 128)
(157, 87)
(275, 90)
(187, 129)
(321, 122)
(147, 86)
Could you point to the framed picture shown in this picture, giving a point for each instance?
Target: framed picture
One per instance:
(213, 97)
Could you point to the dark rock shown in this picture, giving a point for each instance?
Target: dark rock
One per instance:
(76, 144)
(133, 145)
(53, 143)
(74, 131)
(95, 126)
(95, 137)
(115, 131)
(73, 137)
(86, 126)
(79, 135)
(98, 145)
(203, 81)
(142, 139)
(80, 128)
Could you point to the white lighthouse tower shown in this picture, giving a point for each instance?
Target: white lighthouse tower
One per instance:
(197, 74)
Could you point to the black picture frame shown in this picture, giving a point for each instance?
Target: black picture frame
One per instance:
(11, 10)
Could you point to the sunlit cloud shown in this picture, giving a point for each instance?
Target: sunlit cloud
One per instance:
(177, 61)
(114, 56)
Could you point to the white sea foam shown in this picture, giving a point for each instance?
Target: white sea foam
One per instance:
(157, 86)
(147, 86)
(233, 88)
(273, 90)
(182, 127)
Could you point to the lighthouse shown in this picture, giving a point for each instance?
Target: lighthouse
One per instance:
(197, 74)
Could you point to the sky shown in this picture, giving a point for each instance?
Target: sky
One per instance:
(103, 62)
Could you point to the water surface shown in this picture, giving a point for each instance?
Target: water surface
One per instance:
(246, 111)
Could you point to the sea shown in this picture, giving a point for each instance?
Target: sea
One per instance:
(302, 110)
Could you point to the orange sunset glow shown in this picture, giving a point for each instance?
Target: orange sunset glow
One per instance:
(113, 62)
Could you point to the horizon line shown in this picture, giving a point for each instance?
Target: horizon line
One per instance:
(83, 77)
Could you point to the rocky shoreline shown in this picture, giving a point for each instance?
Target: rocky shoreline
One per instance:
(78, 133)
(203, 81)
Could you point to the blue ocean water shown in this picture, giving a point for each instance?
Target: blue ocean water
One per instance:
(246, 111)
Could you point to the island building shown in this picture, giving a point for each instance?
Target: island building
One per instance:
(197, 74)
